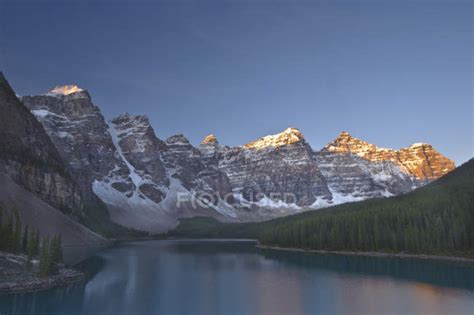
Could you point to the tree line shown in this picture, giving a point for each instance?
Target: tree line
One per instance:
(20, 239)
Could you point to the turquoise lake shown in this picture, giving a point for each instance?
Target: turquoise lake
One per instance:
(181, 277)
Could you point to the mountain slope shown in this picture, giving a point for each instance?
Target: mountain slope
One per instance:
(34, 160)
(79, 132)
(29, 157)
(78, 241)
(92, 149)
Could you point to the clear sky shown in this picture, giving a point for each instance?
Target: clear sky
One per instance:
(389, 72)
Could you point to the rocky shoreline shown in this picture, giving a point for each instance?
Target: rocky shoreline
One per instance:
(372, 254)
(16, 275)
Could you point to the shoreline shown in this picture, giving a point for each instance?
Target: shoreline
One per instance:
(371, 254)
(248, 240)
(458, 259)
(19, 275)
(65, 277)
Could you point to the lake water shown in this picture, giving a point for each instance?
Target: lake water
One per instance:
(229, 277)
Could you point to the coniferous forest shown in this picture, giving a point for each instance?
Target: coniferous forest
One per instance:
(18, 239)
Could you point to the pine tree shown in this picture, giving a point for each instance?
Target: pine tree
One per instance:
(9, 234)
(31, 243)
(24, 242)
(45, 258)
(56, 252)
(36, 244)
(55, 249)
(17, 232)
(60, 250)
(2, 232)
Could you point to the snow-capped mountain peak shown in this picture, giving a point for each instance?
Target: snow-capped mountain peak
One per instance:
(210, 139)
(419, 144)
(288, 136)
(344, 134)
(65, 90)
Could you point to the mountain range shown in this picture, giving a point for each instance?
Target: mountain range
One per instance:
(119, 173)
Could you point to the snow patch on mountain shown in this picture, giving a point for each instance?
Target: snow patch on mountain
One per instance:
(137, 180)
(267, 202)
(64, 90)
(287, 136)
(43, 113)
(135, 212)
(339, 198)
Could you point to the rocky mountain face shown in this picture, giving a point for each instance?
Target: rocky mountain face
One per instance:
(352, 178)
(276, 165)
(123, 164)
(35, 180)
(196, 171)
(148, 183)
(420, 160)
(167, 176)
(102, 155)
(139, 149)
(28, 156)
(263, 171)
(80, 134)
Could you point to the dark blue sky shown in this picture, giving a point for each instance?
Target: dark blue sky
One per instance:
(389, 72)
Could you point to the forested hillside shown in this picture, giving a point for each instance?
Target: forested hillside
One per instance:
(438, 218)
(435, 219)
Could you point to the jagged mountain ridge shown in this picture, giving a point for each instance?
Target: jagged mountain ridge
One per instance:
(420, 160)
(143, 178)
